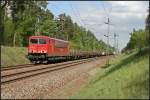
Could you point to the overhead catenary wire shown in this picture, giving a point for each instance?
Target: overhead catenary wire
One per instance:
(86, 23)
(81, 20)
(56, 18)
(79, 16)
(117, 36)
(75, 14)
(93, 25)
(107, 36)
(107, 14)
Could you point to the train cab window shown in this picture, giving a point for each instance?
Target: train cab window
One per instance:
(42, 41)
(34, 41)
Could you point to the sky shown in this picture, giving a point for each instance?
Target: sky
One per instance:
(92, 15)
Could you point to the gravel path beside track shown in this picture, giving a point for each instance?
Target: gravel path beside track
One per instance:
(47, 85)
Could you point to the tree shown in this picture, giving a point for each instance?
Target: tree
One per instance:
(147, 27)
(49, 28)
(138, 40)
(29, 17)
(2, 6)
(147, 21)
(17, 7)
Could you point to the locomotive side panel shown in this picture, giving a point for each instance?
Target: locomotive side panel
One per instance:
(50, 47)
(61, 48)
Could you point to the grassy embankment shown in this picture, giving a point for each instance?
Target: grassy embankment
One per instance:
(127, 77)
(13, 56)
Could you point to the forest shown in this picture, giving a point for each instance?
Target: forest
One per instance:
(139, 39)
(28, 18)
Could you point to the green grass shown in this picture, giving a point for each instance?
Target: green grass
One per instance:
(13, 56)
(126, 78)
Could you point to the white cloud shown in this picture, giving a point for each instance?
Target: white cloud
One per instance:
(129, 8)
(125, 15)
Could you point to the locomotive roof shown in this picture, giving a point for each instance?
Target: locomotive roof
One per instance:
(48, 37)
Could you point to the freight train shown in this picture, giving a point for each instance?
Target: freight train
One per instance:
(44, 49)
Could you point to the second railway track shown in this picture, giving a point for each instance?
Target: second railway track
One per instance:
(8, 76)
(16, 67)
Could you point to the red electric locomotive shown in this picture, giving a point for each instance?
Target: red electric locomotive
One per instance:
(44, 48)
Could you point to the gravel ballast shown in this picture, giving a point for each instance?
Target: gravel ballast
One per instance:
(57, 84)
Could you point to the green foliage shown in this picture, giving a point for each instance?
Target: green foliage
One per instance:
(8, 29)
(13, 56)
(30, 17)
(126, 78)
(147, 21)
(49, 28)
(139, 39)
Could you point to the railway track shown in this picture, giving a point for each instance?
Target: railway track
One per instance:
(16, 67)
(13, 74)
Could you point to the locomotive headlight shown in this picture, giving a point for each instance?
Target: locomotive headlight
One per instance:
(43, 51)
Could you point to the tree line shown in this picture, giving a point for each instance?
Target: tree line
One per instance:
(28, 18)
(139, 39)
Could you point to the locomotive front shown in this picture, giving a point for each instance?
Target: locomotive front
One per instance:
(37, 49)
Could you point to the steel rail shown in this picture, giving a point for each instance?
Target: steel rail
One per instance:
(10, 78)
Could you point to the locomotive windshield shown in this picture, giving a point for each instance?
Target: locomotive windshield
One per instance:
(38, 41)
(34, 41)
(42, 41)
